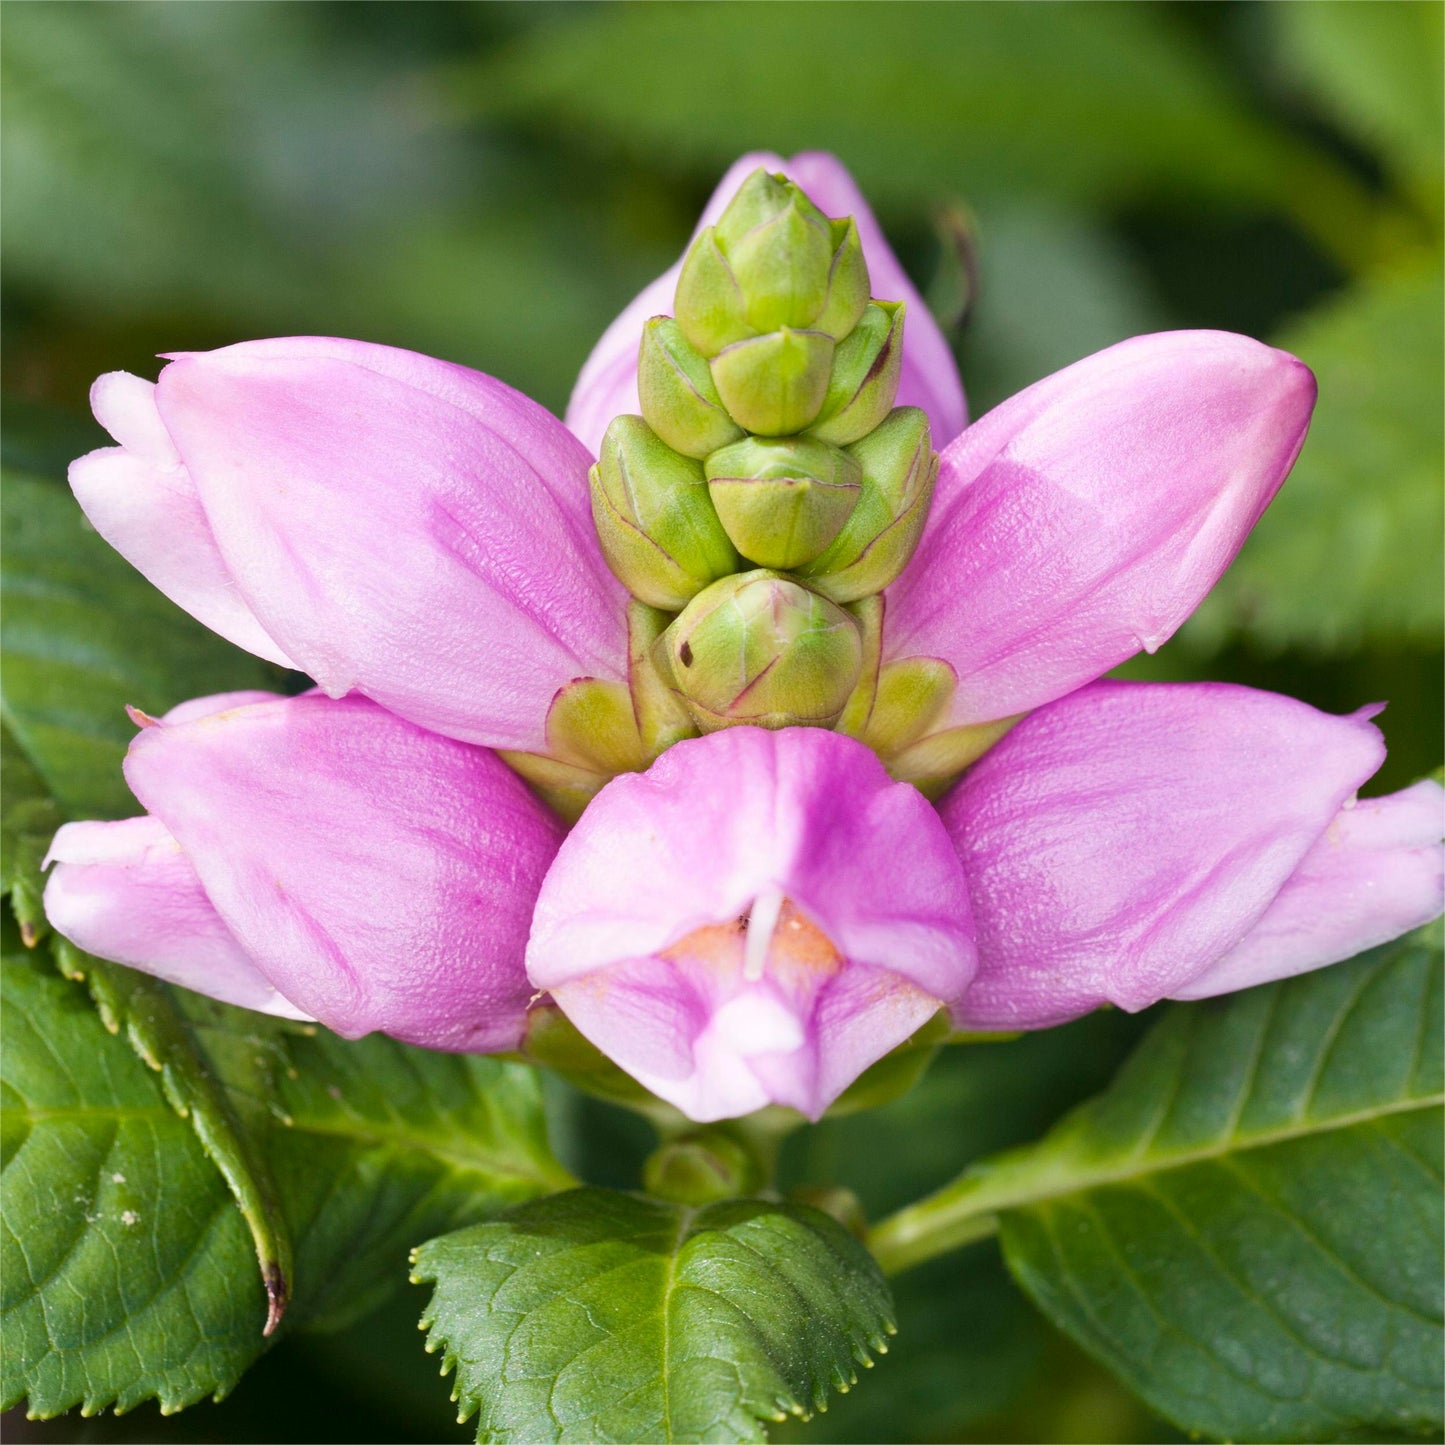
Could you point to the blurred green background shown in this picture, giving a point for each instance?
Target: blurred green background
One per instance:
(491, 183)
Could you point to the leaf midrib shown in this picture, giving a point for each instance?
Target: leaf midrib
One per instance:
(1230, 1145)
(461, 1160)
(474, 1160)
(969, 1208)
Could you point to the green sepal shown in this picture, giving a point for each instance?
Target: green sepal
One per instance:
(655, 521)
(783, 500)
(708, 302)
(662, 717)
(759, 648)
(565, 788)
(912, 695)
(868, 614)
(679, 399)
(933, 763)
(877, 541)
(864, 382)
(592, 735)
(774, 385)
(591, 724)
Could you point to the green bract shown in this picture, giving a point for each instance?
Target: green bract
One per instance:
(899, 469)
(768, 438)
(777, 383)
(782, 501)
(679, 399)
(866, 368)
(654, 520)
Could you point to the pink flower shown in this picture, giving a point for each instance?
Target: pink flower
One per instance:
(759, 916)
(317, 859)
(754, 920)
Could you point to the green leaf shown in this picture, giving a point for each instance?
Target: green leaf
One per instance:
(1246, 1225)
(1095, 104)
(148, 1014)
(125, 1268)
(28, 820)
(1376, 71)
(602, 1316)
(1349, 552)
(370, 1146)
(375, 1144)
(85, 634)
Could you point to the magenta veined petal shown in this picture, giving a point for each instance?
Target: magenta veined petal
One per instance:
(393, 525)
(607, 384)
(1084, 519)
(1378, 871)
(372, 874)
(126, 892)
(755, 919)
(1122, 842)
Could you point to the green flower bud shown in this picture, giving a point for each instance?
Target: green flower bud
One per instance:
(773, 260)
(709, 302)
(679, 399)
(702, 1168)
(758, 648)
(774, 385)
(655, 521)
(782, 500)
(762, 197)
(848, 284)
(783, 266)
(899, 470)
(866, 368)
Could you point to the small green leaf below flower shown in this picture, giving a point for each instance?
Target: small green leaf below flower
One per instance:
(596, 1316)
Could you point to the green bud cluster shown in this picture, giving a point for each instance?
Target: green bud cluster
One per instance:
(770, 484)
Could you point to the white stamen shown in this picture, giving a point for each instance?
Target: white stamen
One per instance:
(761, 923)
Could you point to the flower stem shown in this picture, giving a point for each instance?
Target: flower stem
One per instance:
(942, 1222)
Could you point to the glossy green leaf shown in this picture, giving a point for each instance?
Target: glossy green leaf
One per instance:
(29, 817)
(375, 1145)
(602, 1316)
(127, 1270)
(1246, 1225)
(85, 634)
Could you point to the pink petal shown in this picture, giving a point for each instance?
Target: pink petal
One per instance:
(408, 529)
(1085, 518)
(1378, 871)
(724, 828)
(380, 876)
(607, 384)
(199, 707)
(125, 892)
(1120, 842)
(142, 501)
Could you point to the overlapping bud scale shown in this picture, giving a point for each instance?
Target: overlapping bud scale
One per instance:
(769, 482)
